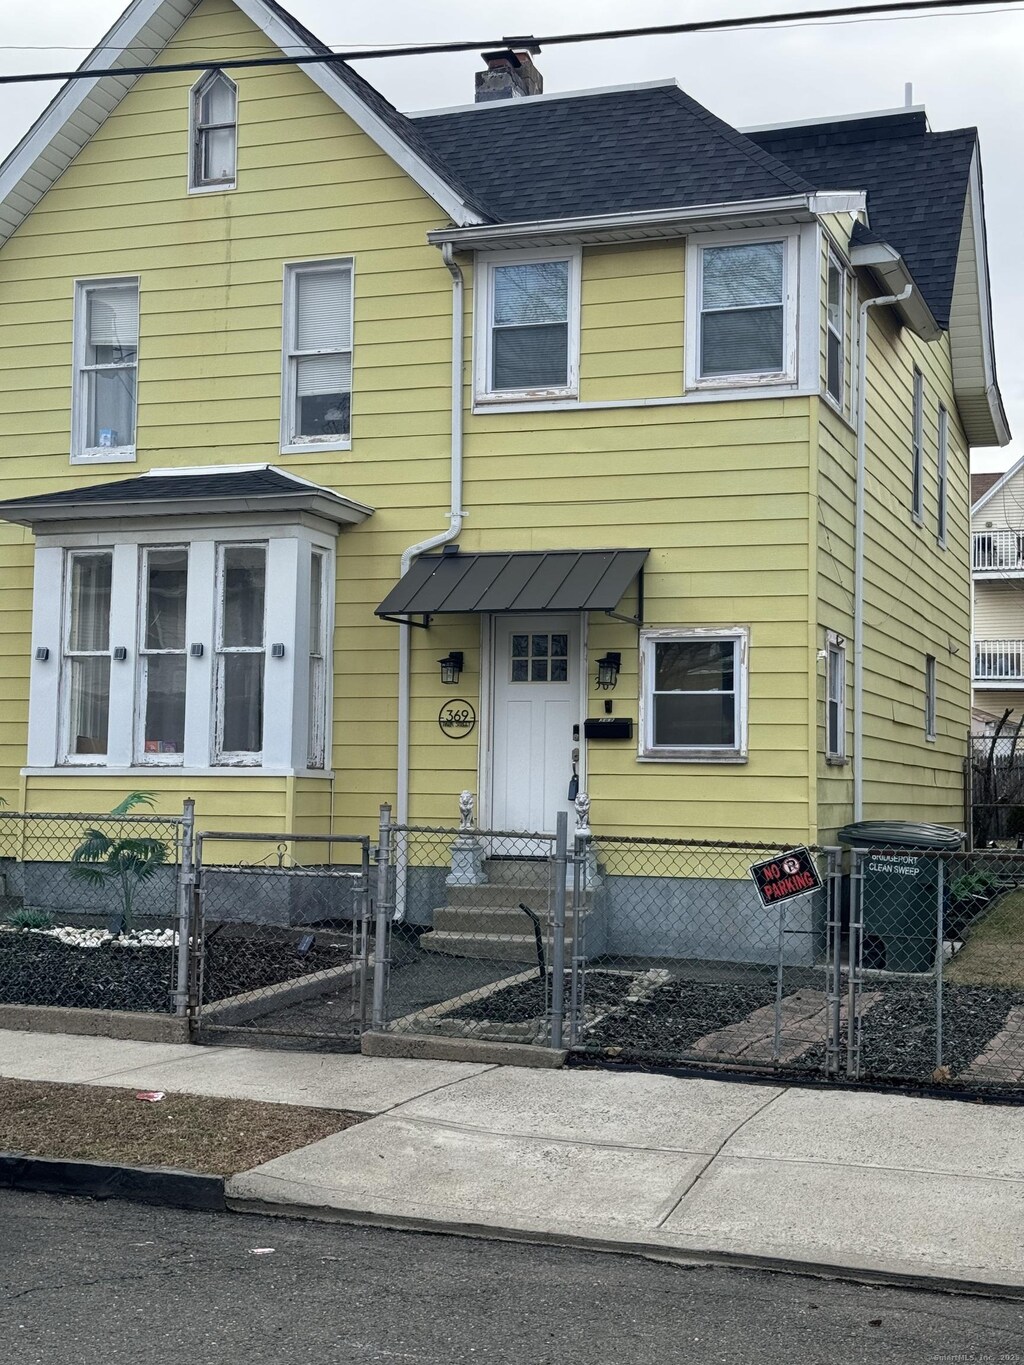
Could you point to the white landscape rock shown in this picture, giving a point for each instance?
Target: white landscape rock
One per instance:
(98, 938)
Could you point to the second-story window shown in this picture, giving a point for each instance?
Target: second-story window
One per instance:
(106, 362)
(528, 327)
(917, 449)
(214, 133)
(836, 327)
(317, 404)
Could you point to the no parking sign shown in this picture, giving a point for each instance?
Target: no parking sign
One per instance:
(789, 874)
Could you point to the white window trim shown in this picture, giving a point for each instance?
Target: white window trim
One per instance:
(942, 457)
(286, 680)
(835, 644)
(65, 655)
(318, 724)
(195, 184)
(789, 374)
(142, 655)
(917, 448)
(80, 453)
(839, 404)
(648, 752)
(309, 445)
(483, 312)
(931, 698)
(229, 757)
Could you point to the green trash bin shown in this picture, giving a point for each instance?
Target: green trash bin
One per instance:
(900, 890)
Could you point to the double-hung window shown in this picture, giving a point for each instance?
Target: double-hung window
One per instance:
(214, 150)
(917, 449)
(835, 326)
(744, 311)
(162, 660)
(241, 652)
(317, 383)
(528, 326)
(318, 656)
(106, 351)
(835, 699)
(930, 698)
(86, 656)
(694, 694)
(943, 476)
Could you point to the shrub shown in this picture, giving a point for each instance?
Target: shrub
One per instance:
(125, 863)
(29, 919)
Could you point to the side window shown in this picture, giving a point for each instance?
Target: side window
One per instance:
(317, 383)
(930, 698)
(943, 476)
(241, 651)
(836, 328)
(319, 653)
(106, 359)
(835, 699)
(528, 328)
(917, 449)
(694, 694)
(86, 661)
(214, 150)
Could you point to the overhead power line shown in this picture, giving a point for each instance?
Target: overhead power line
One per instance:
(894, 8)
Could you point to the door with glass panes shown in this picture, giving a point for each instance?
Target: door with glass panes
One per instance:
(536, 705)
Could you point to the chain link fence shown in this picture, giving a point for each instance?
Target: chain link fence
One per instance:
(678, 961)
(471, 920)
(935, 968)
(281, 926)
(90, 912)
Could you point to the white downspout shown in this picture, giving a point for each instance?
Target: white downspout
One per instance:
(858, 546)
(455, 516)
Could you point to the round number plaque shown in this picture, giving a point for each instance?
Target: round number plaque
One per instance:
(457, 718)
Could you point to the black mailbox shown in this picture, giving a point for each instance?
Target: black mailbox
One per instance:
(608, 727)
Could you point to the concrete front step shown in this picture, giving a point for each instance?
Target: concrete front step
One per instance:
(499, 895)
(496, 947)
(502, 920)
(519, 872)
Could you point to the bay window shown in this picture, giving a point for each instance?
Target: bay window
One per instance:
(162, 671)
(86, 657)
(241, 613)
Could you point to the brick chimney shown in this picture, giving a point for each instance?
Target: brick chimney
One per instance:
(510, 75)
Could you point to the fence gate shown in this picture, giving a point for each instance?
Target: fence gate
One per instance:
(281, 928)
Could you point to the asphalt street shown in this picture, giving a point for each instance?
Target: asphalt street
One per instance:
(85, 1283)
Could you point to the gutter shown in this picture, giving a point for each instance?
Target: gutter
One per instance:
(455, 518)
(653, 222)
(858, 543)
(889, 270)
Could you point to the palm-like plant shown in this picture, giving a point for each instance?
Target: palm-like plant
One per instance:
(102, 860)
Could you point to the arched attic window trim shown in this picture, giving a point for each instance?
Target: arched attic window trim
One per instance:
(213, 152)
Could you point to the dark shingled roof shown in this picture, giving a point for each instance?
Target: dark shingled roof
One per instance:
(240, 483)
(916, 183)
(981, 483)
(649, 148)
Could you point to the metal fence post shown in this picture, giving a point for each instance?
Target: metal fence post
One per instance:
(835, 958)
(186, 882)
(558, 929)
(856, 949)
(382, 926)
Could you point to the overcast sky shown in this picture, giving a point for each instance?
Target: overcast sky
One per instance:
(967, 69)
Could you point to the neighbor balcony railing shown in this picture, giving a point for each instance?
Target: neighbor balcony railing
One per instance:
(996, 551)
(999, 660)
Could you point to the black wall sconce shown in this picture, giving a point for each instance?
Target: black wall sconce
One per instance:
(451, 666)
(608, 670)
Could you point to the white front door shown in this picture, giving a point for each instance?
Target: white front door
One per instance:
(536, 705)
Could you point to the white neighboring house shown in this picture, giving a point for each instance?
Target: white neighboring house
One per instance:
(997, 541)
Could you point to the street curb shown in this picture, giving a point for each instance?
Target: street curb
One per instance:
(439, 1048)
(102, 1180)
(651, 1251)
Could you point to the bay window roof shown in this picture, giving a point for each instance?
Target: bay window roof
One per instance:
(204, 492)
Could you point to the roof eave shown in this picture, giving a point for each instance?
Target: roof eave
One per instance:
(889, 271)
(644, 223)
(329, 506)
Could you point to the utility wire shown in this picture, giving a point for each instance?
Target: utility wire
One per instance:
(894, 7)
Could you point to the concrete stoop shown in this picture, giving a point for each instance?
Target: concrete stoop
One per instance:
(486, 921)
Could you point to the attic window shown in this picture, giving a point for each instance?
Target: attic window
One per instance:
(214, 133)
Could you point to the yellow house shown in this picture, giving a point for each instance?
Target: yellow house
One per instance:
(546, 443)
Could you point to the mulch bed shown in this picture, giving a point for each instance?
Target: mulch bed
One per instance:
(37, 970)
(186, 1132)
(529, 1000)
(669, 1020)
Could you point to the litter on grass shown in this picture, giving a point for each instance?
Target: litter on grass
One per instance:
(150, 1096)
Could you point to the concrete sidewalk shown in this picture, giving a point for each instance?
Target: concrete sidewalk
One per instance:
(868, 1185)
